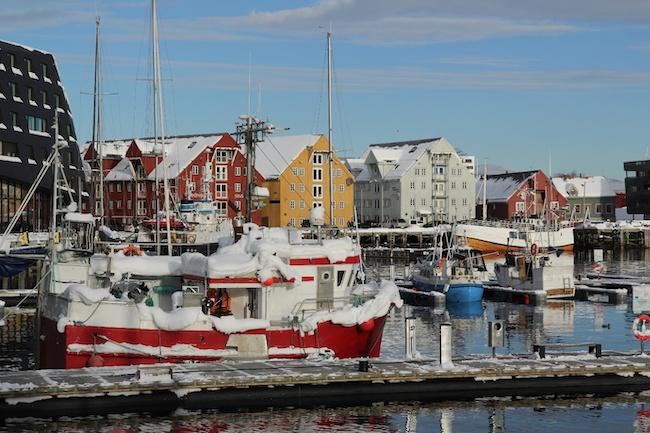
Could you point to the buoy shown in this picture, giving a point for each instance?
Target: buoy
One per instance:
(641, 333)
(268, 281)
(368, 325)
(95, 361)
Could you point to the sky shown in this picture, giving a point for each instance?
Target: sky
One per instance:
(522, 84)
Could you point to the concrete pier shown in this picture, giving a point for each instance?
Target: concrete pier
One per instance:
(263, 384)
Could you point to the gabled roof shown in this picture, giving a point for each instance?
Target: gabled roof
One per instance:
(276, 153)
(592, 186)
(402, 154)
(123, 171)
(500, 187)
(181, 151)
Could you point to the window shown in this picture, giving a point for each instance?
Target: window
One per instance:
(412, 202)
(453, 202)
(317, 204)
(221, 208)
(599, 208)
(292, 204)
(555, 205)
(464, 185)
(413, 184)
(318, 191)
(221, 173)
(292, 187)
(339, 278)
(12, 60)
(423, 202)
(220, 190)
(317, 174)
(423, 171)
(44, 72)
(110, 187)
(237, 171)
(577, 208)
(14, 90)
(195, 169)
(128, 204)
(128, 188)
(608, 208)
(8, 149)
(302, 187)
(238, 187)
(302, 204)
(141, 187)
(110, 205)
(238, 205)
(423, 185)
(317, 158)
(44, 99)
(222, 156)
(57, 101)
(340, 221)
(118, 187)
(29, 66)
(339, 172)
(453, 185)
(519, 206)
(292, 222)
(14, 120)
(341, 205)
(119, 204)
(30, 95)
(294, 171)
(439, 169)
(464, 202)
(301, 171)
(36, 124)
(341, 188)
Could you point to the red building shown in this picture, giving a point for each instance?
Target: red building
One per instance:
(520, 195)
(199, 167)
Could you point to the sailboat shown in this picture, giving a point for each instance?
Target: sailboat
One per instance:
(270, 294)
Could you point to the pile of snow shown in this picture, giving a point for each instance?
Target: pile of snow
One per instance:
(232, 325)
(146, 266)
(109, 234)
(387, 295)
(83, 293)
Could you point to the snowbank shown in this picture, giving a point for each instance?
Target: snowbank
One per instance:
(387, 295)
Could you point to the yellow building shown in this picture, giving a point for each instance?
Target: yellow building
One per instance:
(297, 174)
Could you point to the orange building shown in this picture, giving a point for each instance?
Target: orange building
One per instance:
(296, 170)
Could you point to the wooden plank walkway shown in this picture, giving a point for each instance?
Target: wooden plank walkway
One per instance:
(261, 384)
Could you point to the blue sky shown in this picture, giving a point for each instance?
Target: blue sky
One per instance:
(506, 80)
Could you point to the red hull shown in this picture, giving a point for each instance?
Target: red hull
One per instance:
(346, 342)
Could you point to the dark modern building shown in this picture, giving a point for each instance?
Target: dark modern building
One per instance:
(637, 187)
(31, 95)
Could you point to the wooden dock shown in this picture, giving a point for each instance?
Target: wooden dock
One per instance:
(611, 237)
(299, 383)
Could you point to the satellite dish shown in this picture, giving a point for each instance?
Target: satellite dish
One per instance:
(571, 189)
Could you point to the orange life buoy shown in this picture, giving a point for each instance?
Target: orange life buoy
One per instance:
(643, 333)
(132, 250)
(533, 249)
(441, 262)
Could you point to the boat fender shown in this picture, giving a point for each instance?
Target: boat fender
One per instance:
(533, 249)
(132, 250)
(268, 282)
(641, 333)
(95, 361)
(368, 325)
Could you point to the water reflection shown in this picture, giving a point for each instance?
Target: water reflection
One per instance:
(613, 414)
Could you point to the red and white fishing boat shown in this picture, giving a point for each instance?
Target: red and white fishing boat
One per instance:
(271, 294)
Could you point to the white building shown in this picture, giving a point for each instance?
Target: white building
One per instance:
(423, 180)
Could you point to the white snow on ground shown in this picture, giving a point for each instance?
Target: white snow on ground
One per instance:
(378, 306)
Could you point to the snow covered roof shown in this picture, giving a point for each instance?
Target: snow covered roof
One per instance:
(123, 171)
(276, 153)
(355, 165)
(115, 148)
(181, 151)
(501, 186)
(402, 155)
(25, 47)
(592, 186)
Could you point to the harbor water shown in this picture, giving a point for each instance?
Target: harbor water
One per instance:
(525, 325)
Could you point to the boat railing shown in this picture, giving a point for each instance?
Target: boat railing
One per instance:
(312, 305)
(525, 225)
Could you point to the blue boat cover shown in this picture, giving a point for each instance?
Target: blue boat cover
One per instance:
(10, 266)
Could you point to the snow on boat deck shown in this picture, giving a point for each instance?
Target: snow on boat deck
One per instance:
(254, 384)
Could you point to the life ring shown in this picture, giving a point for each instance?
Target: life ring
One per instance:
(533, 249)
(191, 238)
(132, 250)
(642, 334)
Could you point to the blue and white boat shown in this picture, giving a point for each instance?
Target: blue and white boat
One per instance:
(459, 275)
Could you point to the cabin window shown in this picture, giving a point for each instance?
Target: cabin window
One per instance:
(340, 275)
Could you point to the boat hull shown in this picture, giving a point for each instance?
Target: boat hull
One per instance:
(454, 293)
(497, 239)
(74, 347)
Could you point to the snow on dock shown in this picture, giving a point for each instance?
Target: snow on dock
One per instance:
(255, 384)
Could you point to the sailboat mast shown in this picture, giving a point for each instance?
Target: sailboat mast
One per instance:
(158, 113)
(98, 144)
(484, 207)
(329, 127)
(55, 181)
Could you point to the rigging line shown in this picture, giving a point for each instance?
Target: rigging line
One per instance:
(339, 106)
(316, 121)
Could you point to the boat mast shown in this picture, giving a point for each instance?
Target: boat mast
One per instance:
(329, 126)
(158, 124)
(98, 141)
(484, 207)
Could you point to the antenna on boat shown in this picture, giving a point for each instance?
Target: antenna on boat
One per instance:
(484, 190)
(97, 133)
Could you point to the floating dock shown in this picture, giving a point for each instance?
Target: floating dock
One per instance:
(303, 383)
(431, 299)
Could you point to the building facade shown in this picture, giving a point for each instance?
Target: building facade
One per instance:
(637, 187)
(297, 174)
(199, 167)
(526, 194)
(31, 98)
(595, 197)
(422, 180)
